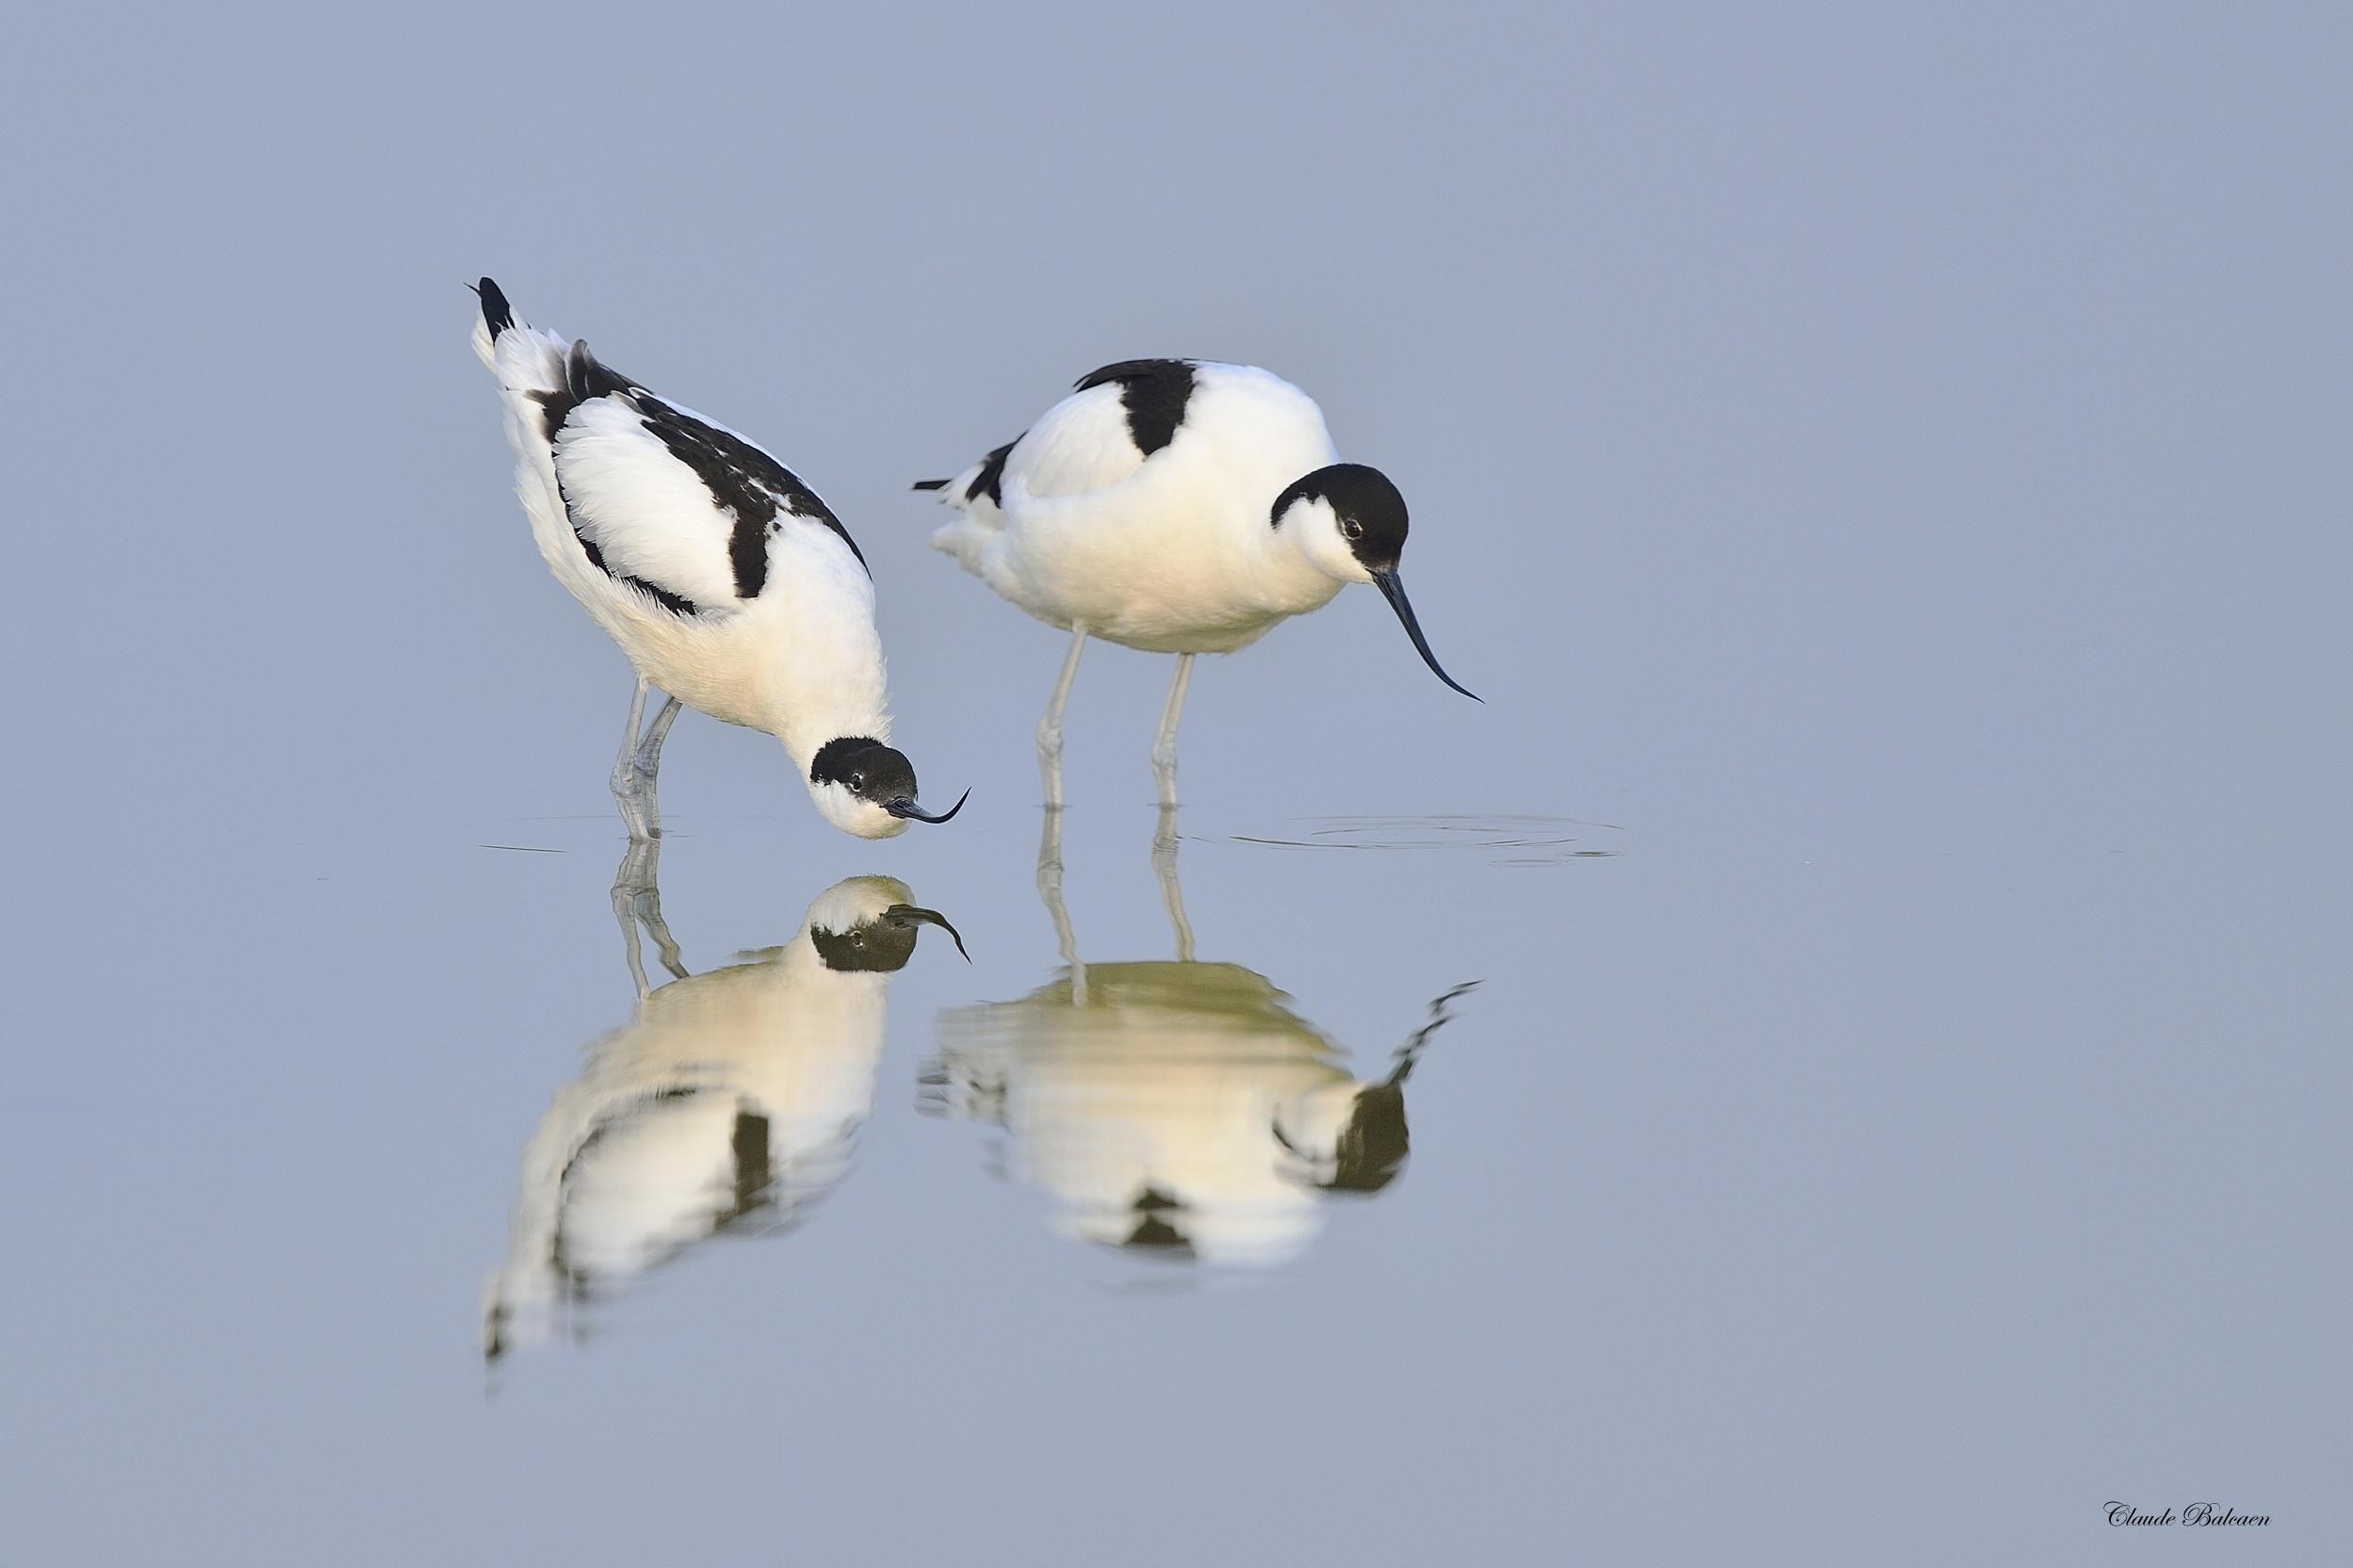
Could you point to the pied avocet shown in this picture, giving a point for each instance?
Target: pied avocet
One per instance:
(726, 579)
(1177, 506)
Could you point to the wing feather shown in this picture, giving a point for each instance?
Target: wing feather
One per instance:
(1080, 446)
(679, 502)
(646, 513)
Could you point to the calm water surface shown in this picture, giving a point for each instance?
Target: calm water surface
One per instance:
(1355, 1197)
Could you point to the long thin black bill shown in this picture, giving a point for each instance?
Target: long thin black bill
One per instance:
(908, 914)
(909, 808)
(1393, 589)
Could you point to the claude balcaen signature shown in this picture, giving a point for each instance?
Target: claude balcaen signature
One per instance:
(2189, 1513)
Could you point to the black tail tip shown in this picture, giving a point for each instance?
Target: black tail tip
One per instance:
(933, 483)
(497, 313)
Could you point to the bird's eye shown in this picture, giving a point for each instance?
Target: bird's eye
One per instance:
(1350, 528)
(858, 782)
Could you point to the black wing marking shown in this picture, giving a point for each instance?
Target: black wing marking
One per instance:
(746, 483)
(677, 604)
(989, 481)
(1153, 392)
(743, 481)
(1130, 369)
(586, 377)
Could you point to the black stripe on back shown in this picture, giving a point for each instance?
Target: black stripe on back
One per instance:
(989, 481)
(746, 483)
(754, 1174)
(556, 407)
(584, 377)
(677, 604)
(1153, 392)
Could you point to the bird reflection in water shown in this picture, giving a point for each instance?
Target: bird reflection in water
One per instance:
(726, 1106)
(1176, 1109)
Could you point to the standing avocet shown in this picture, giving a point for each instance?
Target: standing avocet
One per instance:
(727, 581)
(1177, 506)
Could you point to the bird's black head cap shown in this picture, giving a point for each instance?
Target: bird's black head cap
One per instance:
(877, 946)
(1370, 509)
(866, 768)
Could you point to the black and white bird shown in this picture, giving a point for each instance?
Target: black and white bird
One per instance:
(730, 1102)
(726, 579)
(1181, 1110)
(1177, 506)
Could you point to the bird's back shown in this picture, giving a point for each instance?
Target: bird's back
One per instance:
(1141, 503)
(728, 581)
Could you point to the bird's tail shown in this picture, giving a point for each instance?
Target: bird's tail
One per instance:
(524, 360)
(977, 496)
(530, 366)
(498, 318)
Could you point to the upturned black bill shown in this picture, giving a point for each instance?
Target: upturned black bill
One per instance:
(909, 808)
(908, 914)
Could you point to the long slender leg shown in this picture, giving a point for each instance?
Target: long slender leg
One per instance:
(1163, 865)
(637, 896)
(648, 762)
(1164, 755)
(1050, 890)
(649, 910)
(649, 759)
(625, 791)
(1049, 727)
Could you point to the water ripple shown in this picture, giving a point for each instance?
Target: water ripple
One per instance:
(1509, 840)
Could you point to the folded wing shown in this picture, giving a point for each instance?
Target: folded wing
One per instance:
(676, 500)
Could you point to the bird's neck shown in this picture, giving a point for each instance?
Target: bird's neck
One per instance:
(1292, 577)
(809, 701)
(804, 733)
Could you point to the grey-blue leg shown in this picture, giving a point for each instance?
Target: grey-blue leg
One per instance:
(1164, 755)
(637, 896)
(1163, 865)
(633, 770)
(1049, 727)
(1049, 890)
(626, 793)
(648, 762)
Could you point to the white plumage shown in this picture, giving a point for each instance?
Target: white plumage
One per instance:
(1170, 553)
(1181, 1108)
(1175, 506)
(728, 582)
(730, 1101)
(1178, 1106)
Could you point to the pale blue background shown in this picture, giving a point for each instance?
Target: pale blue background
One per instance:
(1893, 467)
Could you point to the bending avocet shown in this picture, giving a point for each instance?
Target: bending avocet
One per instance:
(727, 581)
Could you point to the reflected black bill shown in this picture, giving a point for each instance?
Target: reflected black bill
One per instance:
(1393, 589)
(909, 810)
(910, 915)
